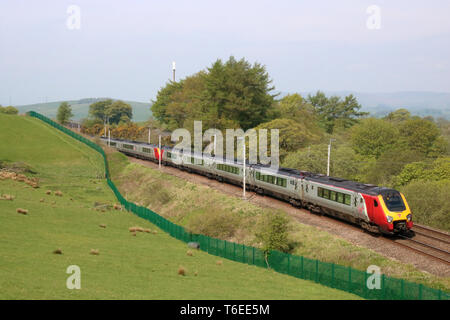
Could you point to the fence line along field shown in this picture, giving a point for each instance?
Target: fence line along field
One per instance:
(72, 218)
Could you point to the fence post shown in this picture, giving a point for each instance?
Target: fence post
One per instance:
(234, 251)
(243, 253)
(317, 271)
(332, 275)
(302, 267)
(365, 285)
(403, 289)
(253, 255)
(289, 264)
(349, 279)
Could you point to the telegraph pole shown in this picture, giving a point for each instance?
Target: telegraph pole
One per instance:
(329, 152)
(243, 166)
(149, 135)
(173, 70)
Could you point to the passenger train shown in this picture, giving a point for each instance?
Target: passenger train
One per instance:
(376, 209)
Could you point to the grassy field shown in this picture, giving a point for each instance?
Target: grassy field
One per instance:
(144, 266)
(208, 211)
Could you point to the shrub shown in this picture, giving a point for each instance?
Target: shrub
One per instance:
(273, 233)
(428, 201)
(216, 224)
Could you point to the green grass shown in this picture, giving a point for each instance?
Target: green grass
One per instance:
(199, 207)
(128, 267)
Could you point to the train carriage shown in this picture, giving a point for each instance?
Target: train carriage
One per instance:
(376, 209)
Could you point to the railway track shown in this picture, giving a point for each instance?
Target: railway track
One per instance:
(426, 241)
(431, 233)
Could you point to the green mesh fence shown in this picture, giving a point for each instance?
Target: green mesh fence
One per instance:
(328, 274)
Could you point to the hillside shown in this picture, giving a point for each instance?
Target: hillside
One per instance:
(144, 266)
(420, 103)
(80, 108)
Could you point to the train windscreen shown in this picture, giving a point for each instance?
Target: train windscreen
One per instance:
(393, 201)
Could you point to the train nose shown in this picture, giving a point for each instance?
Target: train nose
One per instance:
(400, 226)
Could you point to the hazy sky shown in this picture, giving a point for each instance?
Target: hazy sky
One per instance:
(124, 49)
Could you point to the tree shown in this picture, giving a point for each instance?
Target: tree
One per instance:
(292, 135)
(329, 110)
(398, 115)
(64, 113)
(294, 107)
(273, 234)
(8, 110)
(227, 95)
(239, 91)
(163, 99)
(111, 111)
(345, 163)
(390, 163)
(372, 137)
(119, 111)
(97, 110)
(428, 201)
(419, 135)
(436, 170)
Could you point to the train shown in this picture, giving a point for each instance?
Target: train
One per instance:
(379, 210)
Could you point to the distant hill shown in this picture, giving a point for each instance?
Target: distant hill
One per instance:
(80, 108)
(421, 103)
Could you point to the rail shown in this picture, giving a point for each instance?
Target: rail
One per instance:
(328, 274)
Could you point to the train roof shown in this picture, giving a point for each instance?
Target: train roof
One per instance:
(365, 188)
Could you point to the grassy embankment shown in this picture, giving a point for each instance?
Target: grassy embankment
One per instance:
(144, 266)
(208, 211)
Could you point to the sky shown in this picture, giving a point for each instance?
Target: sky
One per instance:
(67, 50)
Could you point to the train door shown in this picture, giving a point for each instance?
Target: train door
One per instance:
(361, 207)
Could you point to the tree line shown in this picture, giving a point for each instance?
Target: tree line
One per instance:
(8, 110)
(402, 151)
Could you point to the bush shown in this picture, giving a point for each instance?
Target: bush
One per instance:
(428, 201)
(8, 110)
(215, 224)
(273, 233)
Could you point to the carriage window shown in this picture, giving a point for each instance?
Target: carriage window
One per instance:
(281, 182)
(128, 146)
(347, 199)
(326, 194)
(340, 197)
(147, 150)
(320, 192)
(333, 195)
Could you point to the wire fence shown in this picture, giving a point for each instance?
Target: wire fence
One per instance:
(328, 274)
